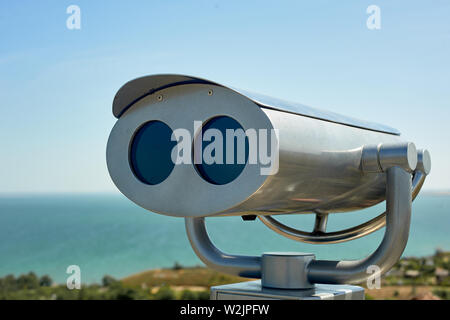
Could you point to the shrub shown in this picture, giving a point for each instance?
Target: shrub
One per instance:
(108, 281)
(165, 293)
(177, 266)
(442, 293)
(203, 295)
(45, 281)
(188, 295)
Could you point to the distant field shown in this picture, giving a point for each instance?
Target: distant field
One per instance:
(401, 292)
(195, 277)
(200, 279)
(411, 278)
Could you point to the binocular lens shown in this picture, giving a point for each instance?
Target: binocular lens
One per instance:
(150, 152)
(225, 150)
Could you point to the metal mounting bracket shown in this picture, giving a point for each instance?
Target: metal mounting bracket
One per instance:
(301, 271)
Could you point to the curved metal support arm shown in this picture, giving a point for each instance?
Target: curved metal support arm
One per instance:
(398, 204)
(398, 217)
(243, 266)
(399, 196)
(364, 229)
(349, 234)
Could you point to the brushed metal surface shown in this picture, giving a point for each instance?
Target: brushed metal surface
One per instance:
(184, 192)
(319, 161)
(285, 270)
(238, 265)
(327, 163)
(320, 236)
(398, 218)
(319, 169)
(136, 89)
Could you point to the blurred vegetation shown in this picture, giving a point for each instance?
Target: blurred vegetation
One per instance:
(416, 278)
(443, 294)
(410, 278)
(177, 282)
(431, 271)
(31, 287)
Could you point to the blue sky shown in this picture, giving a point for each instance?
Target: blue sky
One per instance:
(57, 84)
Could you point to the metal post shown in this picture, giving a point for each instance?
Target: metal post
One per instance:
(243, 266)
(398, 217)
(397, 162)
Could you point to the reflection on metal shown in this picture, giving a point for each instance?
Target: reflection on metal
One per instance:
(364, 229)
(320, 224)
(139, 88)
(285, 270)
(243, 266)
(398, 217)
(399, 196)
(326, 164)
(301, 109)
(319, 161)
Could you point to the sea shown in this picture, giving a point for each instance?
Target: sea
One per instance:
(106, 234)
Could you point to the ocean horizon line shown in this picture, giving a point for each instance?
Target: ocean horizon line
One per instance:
(4, 194)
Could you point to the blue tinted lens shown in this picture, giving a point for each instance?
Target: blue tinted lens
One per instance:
(150, 152)
(224, 173)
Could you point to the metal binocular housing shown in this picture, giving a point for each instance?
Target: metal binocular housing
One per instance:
(164, 154)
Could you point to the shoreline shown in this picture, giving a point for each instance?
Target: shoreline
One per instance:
(424, 278)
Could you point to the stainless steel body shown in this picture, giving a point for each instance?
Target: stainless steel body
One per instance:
(319, 235)
(319, 169)
(398, 218)
(325, 163)
(281, 270)
(319, 152)
(399, 193)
